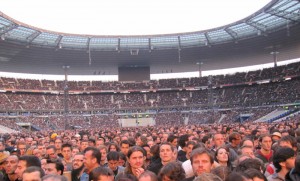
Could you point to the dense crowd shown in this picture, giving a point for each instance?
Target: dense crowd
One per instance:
(231, 152)
(277, 73)
(199, 134)
(227, 97)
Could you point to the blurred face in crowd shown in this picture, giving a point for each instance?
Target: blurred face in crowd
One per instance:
(33, 176)
(51, 153)
(290, 163)
(89, 161)
(150, 143)
(103, 155)
(99, 142)
(266, 143)
(112, 148)
(10, 164)
(2, 147)
(201, 164)
(157, 141)
(85, 137)
(113, 164)
(67, 153)
(248, 151)
(77, 161)
(124, 148)
(263, 130)
(164, 137)
(139, 141)
(175, 142)
(44, 163)
(58, 144)
(222, 155)
(166, 153)
(218, 140)
(42, 149)
(74, 142)
(248, 143)
(51, 169)
(237, 140)
(147, 149)
(29, 141)
(22, 149)
(136, 160)
(189, 150)
(75, 151)
(21, 167)
(36, 152)
(285, 144)
(122, 162)
(84, 145)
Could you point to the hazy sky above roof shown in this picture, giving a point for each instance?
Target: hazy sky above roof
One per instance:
(129, 17)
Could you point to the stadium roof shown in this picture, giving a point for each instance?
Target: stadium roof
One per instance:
(32, 50)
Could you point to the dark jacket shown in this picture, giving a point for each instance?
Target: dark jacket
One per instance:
(292, 176)
(189, 179)
(155, 167)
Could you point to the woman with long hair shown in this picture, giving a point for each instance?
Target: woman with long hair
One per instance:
(222, 157)
(135, 163)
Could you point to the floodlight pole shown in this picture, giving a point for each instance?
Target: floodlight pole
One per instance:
(200, 70)
(66, 97)
(275, 53)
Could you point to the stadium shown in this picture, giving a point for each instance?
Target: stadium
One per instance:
(226, 126)
(268, 35)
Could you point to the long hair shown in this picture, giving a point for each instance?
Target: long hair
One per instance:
(227, 150)
(130, 152)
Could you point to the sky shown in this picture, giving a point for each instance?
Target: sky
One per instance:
(129, 17)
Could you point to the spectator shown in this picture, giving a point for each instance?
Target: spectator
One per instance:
(51, 152)
(33, 173)
(148, 176)
(10, 166)
(294, 174)
(166, 153)
(77, 172)
(284, 161)
(66, 151)
(25, 162)
(125, 146)
(102, 173)
(172, 171)
(54, 167)
(135, 167)
(202, 162)
(92, 158)
(113, 162)
(265, 153)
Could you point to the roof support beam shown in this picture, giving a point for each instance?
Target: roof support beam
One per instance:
(179, 43)
(260, 27)
(119, 45)
(208, 40)
(33, 36)
(285, 15)
(88, 43)
(8, 28)
(232, 33)
(58, 41)
(89, 50)
(149, 45)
